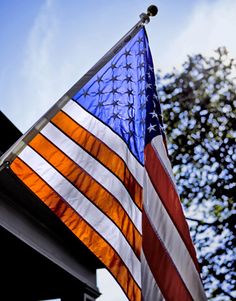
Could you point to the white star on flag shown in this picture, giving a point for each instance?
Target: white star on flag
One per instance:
(148, 86)
(154, 114)
(151, 128)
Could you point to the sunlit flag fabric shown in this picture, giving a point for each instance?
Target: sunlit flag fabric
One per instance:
(100, 164)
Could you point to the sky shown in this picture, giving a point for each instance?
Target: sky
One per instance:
(47, 45)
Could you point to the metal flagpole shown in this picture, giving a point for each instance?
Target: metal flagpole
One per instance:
(12, 152)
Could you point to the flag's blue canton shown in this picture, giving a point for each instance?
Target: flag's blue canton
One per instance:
(123, 95)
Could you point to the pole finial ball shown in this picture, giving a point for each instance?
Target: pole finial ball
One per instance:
(152, 10)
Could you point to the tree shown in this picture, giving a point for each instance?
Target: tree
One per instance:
(199, 107)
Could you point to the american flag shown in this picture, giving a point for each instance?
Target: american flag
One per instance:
(100, 164)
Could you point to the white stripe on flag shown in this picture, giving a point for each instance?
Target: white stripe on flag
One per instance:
(174, 244)
(90, 213)
(150, 290)
(160, 150)
(95, 170)
(106, 135)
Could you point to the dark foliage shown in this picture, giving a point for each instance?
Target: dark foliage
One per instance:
(199, 107)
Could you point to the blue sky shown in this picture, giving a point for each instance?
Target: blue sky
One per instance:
(47, 45)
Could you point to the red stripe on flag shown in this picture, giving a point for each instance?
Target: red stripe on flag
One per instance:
(161, 265)
(169, 197)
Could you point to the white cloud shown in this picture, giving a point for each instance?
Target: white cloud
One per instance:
(210, 25)
(37, 66)
(39, 45)
(45, 73)
(54, 60)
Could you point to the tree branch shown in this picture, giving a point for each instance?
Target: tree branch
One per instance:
(201, 222)
(229, 219)
(226, 293)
